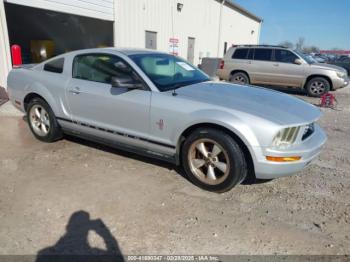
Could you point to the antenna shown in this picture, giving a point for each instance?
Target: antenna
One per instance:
(173, 44)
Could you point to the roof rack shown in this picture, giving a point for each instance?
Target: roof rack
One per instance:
(260, 46)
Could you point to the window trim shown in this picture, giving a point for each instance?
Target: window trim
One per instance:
(54, 60)
(251, 53)
(145, 85)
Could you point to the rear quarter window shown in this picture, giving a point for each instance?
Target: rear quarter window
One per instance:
(240, 53)
(55, 66)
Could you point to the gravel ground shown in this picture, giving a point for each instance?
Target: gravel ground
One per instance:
(76, 196)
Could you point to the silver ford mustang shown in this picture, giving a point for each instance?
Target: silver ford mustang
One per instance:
(159, 105)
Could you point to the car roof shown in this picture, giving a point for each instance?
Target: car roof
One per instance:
(261, 46)
(125, 51)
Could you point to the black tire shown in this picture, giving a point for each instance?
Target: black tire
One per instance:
(54, 131)
(317, 86)
(240, 78)
(236, 167)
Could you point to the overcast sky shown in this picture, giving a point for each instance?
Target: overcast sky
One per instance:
(324, 23)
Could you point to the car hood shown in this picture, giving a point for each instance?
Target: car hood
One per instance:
(270, 105)
(327, 67)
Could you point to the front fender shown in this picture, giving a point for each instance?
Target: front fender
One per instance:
(223, 119)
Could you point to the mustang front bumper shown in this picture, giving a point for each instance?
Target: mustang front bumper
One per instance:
(307, 150)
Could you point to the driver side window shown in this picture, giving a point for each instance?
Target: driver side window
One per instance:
(285, 56)
(99, 68)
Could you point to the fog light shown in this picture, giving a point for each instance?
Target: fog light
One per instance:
(283, 159)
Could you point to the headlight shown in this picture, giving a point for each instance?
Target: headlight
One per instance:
(340, 74)
(286, 136)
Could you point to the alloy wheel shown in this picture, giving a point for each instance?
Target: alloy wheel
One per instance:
(317, 87)
(39, 120)
(209, 161)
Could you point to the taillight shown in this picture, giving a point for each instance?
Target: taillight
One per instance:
(222, 64)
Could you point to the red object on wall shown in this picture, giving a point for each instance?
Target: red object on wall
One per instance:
(16, 55)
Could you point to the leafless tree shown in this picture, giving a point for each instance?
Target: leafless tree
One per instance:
(287, 44)
(311, 49)
(300, 43)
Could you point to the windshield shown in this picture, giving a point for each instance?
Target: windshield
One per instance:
(309, 59)
(168, 72)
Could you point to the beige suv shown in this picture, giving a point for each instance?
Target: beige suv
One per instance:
(279, 66)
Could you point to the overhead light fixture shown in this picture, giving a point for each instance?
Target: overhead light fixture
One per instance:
(179, 6)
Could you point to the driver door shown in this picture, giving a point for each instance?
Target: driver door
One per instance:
(98, 109)
(286, 71)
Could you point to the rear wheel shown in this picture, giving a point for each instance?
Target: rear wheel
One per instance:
(240, 78)
(213, 160)
(318, 86)
(42, 121)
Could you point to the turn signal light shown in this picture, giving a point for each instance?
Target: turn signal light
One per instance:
(283, 159)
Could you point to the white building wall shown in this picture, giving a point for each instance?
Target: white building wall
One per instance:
(199, 19)
(238, 29)
(5, 59)
(100, 9)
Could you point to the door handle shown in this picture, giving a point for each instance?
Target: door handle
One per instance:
(75, 91)
(249, 62)
(276, 65)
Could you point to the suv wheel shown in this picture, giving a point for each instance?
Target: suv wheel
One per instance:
(213, 161)
(240, 78)
(42, 121)
(318, 86)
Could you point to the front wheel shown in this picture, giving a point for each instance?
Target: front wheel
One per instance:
(213, 160)
(42, 121)
(318, 86)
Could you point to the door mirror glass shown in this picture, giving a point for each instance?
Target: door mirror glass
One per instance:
(298, 61)
(126, 82)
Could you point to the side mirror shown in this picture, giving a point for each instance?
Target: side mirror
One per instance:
(122, 67)
(126, 82)
(298, 61)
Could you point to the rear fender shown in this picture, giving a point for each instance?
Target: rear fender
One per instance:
(41, 90)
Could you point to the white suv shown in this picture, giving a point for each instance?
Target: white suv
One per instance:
(279, 66)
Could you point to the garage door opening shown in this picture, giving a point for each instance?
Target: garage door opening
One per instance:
(43, 34)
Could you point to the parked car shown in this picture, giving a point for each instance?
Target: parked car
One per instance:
(320, 59)
(343, 62)
(331, 57)
(310, 58)
(343, 57)
(279, 66)
(159, 105)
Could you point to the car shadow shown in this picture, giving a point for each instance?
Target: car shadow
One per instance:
(250, 179)
(74, 245)
(113, 150)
